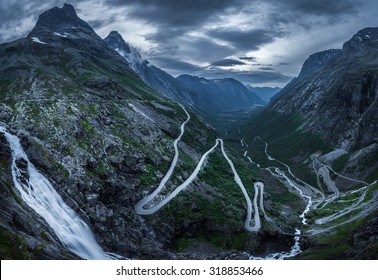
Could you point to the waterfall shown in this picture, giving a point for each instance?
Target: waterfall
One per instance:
(40, 195)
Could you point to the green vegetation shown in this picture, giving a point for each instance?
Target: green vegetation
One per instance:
(287, 142)
(182, 243)
(348, 200)
(332, 252)
(218, 173)
(369, 159)
(239, 241)
(13, 246)
(283, 197)
(217, 209)
(339, 163)
(87, 127)
(4, 84)
(217, 239)
(371, 191)
(194, 137)
(339, 235)
(336, 244)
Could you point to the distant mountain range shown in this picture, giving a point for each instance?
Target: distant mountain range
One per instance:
(156, 78)
(204, 96)
(264, 93)
(221, 94)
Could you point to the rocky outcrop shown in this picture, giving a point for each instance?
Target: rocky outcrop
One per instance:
(60, 22)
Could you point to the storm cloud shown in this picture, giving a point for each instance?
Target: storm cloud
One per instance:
(177, 65)
(200, 37)
(227, 62)
(245, 40)
(176, 14)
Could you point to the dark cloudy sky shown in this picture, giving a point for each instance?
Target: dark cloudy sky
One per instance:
(261, 42)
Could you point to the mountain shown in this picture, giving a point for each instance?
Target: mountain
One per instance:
(321, 129)
(221, 94)
(63, 20)
(84, 141)
(103, 139)
(165, 84)
(265, 93)
(222, 101)
(337, 91)
(97, 164)
(318, 61)
(156, 78)
(130, 53)
(331, 105)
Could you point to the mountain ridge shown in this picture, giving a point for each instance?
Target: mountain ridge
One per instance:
(221, 93)
(225, 93)
(345, 87)
(265, 93)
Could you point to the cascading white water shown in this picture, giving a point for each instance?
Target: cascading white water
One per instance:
(295, 250)
(40, 195)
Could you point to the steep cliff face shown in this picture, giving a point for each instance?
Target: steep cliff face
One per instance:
(337, 93)
(318, 61)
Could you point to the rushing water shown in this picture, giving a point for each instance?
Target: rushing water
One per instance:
(40, 195)
(295, 250)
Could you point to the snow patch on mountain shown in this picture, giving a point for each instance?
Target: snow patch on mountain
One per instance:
(64, 35)
(35, 39)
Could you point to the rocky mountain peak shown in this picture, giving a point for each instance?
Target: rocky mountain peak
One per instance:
(130, 53)
(60, 20)
(115, 40)
(364, 39)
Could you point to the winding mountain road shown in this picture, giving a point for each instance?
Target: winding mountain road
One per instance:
(357, 209)
(299, 181)
(257, 185)
(252, 208)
